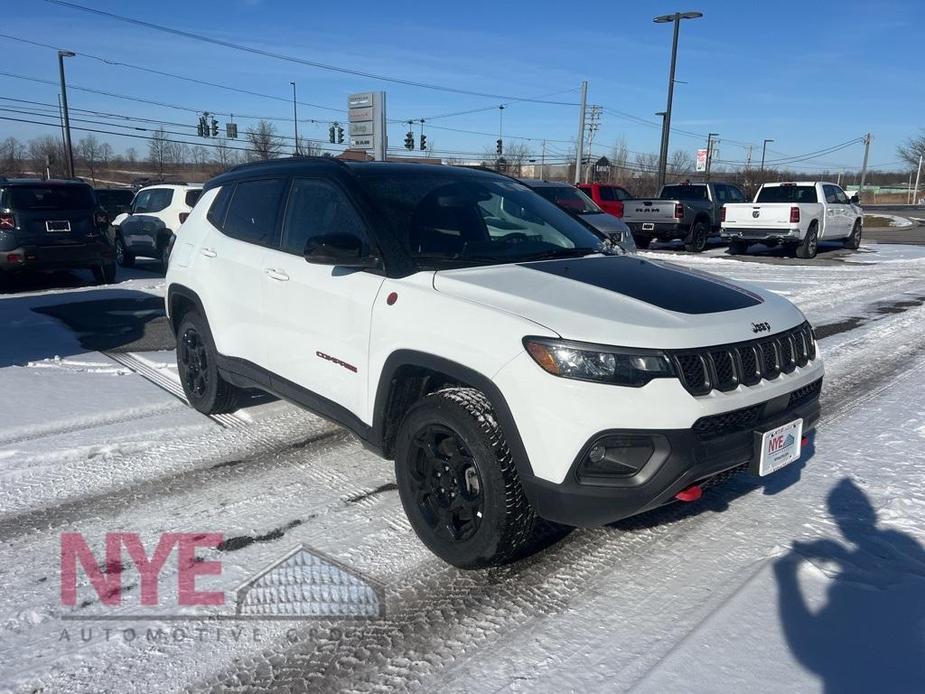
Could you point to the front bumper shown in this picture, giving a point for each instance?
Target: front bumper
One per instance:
(88, 254)
(682, 457)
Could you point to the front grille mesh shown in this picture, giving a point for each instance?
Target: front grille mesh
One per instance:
(724, 367)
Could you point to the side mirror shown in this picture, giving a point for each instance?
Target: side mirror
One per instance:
(340, 250)
(855, 200)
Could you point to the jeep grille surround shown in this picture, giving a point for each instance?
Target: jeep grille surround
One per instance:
(725, 367)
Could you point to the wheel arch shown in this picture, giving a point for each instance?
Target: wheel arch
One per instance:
(408, 375)
(180, 300)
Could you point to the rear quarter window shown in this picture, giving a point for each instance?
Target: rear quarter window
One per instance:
(192, 196)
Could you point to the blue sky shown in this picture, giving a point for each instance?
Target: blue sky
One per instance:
(808, 74)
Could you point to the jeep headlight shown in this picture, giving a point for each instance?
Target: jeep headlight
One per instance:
(604, 364)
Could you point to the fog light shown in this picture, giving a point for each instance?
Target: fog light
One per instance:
(616, 456)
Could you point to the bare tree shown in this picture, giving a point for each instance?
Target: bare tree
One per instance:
(309, 148)
(516, 156)
(912, 149)
(47, 153)
(159, 150)
(646, 175)
(131, 155)
(12, 155)
(199, 156)
(92, 153)
(263, 142)
(680, 163)
(223, 155)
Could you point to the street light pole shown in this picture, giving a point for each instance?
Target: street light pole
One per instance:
(710, 138)
(68, 150)
(764, 149)
(295, 120)
(666, 122)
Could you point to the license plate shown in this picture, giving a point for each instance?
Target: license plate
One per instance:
(58, 226)
(648, 226)
(779, 447)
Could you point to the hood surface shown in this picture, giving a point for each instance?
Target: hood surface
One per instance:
(624, 300)
(605, 222)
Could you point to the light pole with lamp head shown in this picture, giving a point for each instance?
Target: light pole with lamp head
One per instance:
(69, 152)
(666, 121)
(764, 148)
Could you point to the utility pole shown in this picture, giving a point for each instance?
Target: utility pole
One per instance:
(543, 163)
(666, 122)
(710, 137)
(68, 150)
(918, 174)
(295, 120)
(593, 123)
(61, 121)
(867, 139)
(909, 190)
(764, 149)
(579, 157)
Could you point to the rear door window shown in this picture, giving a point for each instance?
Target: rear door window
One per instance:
(253, 212)
(831, 196)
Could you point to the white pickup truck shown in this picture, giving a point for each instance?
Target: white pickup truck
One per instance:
(797, 215)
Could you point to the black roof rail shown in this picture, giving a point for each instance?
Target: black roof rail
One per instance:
(284, 160)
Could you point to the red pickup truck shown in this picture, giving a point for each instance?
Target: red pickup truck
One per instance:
(607, 196)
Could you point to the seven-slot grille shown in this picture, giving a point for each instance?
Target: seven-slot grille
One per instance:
(725, 367)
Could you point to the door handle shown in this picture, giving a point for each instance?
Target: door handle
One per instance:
(275, 274)
(208, 252)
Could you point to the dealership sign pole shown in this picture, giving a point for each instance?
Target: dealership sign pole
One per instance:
(367, 123)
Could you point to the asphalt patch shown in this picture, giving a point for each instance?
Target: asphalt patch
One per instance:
(116, 325)
(233, 544)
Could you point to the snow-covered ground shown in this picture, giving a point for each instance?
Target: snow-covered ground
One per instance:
(812, 580)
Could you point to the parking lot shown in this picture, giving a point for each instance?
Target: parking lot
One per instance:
(99, 438)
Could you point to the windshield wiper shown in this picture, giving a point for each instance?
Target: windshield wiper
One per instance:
(560, 253)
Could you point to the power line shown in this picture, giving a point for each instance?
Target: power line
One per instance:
(294, 59)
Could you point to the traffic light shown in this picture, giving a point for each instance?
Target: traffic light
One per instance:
(214, 128)
(498, 147)
(409, 140)
(201, 127)
(423, 141)
(340, 134)
(331, 134)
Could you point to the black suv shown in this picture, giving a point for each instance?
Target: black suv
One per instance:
(115, 201)
(53, 225)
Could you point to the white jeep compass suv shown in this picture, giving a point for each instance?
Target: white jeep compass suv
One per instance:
(480, 337)
(149, 228)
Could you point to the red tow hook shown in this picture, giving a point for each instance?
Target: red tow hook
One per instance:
(804, 441)
(692, 493)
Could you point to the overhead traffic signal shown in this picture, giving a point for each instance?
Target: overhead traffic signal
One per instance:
(331, 134)
(201, 127)
(423, 141)
(340, 134)
(214, 128)
(498, 146)
(409, 140)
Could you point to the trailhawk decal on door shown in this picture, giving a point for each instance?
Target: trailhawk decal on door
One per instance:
(660, 284)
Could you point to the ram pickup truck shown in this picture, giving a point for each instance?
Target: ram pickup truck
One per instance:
(796, 215)
(688, 211)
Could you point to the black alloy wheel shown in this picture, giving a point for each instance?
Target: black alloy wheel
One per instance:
(446, 483)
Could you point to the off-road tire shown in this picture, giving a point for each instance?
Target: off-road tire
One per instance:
(642, 242)
(104, 274)
(203, 386)
(123, 257)
(738, 248)
(696, 239)
(507, 521)
(854, 240)
(810, 244)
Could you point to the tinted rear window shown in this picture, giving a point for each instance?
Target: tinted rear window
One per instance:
(192, 196)
(39, 197)
(684, 193)
(115, 197)
(788, 194)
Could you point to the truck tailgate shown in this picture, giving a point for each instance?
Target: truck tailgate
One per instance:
(751, 215)
(651, 210)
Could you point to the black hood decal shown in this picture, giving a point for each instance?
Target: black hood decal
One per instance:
(667, 286)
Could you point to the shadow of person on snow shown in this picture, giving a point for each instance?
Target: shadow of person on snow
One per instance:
(870, 634)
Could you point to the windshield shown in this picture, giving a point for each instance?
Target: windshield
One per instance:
(464, 219)
(684, 192)
(787, 194)
(569, 198)
(45, 197)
